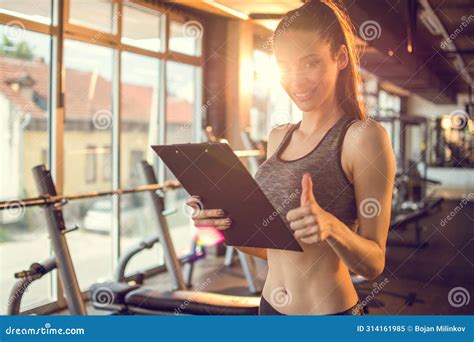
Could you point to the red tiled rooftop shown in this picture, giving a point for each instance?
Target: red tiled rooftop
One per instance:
(86, 93)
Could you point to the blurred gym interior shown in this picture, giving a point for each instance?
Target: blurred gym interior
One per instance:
(86, 87)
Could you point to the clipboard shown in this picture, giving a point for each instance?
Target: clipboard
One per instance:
(213, 171)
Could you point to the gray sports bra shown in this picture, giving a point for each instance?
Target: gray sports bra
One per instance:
(280, 180)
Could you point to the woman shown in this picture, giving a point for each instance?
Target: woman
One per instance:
(339, 163)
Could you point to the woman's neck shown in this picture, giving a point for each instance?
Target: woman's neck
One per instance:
(321, 118)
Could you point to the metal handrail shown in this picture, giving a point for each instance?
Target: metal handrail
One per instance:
(167, 185)
(43, 200)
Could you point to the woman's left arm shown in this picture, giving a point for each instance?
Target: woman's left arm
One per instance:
(371, 160)
(368, 155)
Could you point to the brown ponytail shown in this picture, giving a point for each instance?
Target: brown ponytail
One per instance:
(332, 23)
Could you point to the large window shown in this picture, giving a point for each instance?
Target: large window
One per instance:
(24, 112)
(142, 28)
(181, 100)
(271, 106)
(368, 89)
(452, 140)
(389, 105)
(88, 117)
(88, 128)
(140, 97)
(34, 10)
(140, 89)
(182, 116)
(102, 20)
(85, 145)
(186, 38)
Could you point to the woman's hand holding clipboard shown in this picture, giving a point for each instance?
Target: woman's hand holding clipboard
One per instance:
(226, 195)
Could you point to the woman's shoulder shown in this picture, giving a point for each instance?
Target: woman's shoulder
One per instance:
(361, 132)
(276, 136)
(368, 138)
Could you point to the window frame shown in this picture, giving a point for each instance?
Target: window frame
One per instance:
(59, 31)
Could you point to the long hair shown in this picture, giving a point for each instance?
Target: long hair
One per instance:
(331, 22)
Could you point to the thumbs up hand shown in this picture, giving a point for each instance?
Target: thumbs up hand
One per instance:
(310, 222)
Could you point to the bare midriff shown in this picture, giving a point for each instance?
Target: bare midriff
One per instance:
(314, 282)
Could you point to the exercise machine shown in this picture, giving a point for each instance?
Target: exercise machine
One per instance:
(197, 252)
(25, 278)
(125, 298)
(411, 202)
(120, 297)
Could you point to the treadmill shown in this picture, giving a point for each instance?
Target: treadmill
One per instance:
(121, 297)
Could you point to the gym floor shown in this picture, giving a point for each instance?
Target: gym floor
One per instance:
(416, 281)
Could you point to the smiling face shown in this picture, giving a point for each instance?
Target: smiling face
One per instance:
(308, 68)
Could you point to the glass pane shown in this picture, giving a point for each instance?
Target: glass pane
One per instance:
(142, 28)
(258, 113)
(280, 107)
(140, 94)
(186, 38)
(95, 14)
(35, 10)
(91, 244)
(24, 107)
(23, 240)
(87, 155)
(89, 118)
(389, 104)
(180, 103)
(137, 224)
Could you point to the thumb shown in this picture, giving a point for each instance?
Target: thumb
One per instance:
(307, 195)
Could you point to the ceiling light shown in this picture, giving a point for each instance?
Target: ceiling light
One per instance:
(226, 9)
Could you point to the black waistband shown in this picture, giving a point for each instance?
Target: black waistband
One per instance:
(267, 309)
